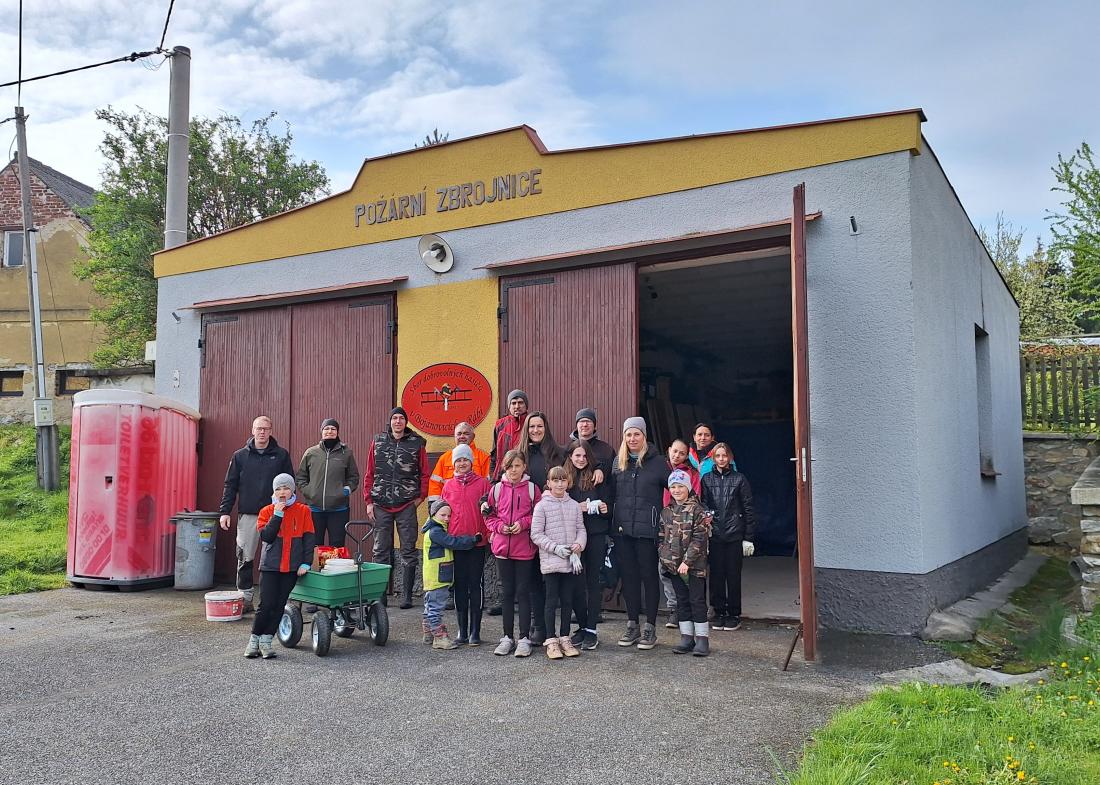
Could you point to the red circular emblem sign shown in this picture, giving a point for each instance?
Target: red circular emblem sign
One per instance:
(441, 396)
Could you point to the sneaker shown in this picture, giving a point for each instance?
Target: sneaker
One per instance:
(577, 638)
(733, 623)
(496, 610)
(567, 647)
(591, 641)
(248, 607)
(553, 649)
(505, 647)
(671, 622)
(538, 636)
(267, 651)
(523, 647)
(649, 637)
(719, 623)
(252, 650)
(441, 640)
(631, 636)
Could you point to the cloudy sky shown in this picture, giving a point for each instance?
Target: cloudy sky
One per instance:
(1006, 85)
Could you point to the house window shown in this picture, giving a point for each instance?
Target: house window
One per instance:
(985, 402)
(69, 382)
(13, 249)
(11, 384)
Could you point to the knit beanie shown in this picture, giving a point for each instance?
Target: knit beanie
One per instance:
(332, 422)
(283, 480)
(398, 410)
(518, 394)
(679, 477)
(635, 422)
(436, 506)
(586, 414)
(462, 451)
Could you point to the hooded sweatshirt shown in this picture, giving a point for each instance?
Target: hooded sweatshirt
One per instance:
(464, 493)
(506, 436)
(513, 503)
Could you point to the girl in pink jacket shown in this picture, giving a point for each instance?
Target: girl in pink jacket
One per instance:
(464, 493)
(508, 511)
(557, 528)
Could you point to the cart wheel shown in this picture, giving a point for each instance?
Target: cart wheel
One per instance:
(378, 624)
(344, 627)
(322, 633)
(290, 626)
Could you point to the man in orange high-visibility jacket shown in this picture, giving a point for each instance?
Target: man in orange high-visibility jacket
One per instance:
(444, 467)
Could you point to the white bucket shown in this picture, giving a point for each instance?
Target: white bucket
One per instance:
(224, 605)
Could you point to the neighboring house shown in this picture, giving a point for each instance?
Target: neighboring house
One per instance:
(652, 278)
(69, 336)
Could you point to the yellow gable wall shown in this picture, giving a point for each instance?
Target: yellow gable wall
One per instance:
(450, 323)
(568, 180)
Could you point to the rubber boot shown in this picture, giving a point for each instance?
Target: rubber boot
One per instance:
(687, 638)
(252, 651)
(475, 627)
(463, 629)
(702, 640)
(408, 576)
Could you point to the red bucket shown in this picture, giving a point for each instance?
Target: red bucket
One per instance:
(224, 605)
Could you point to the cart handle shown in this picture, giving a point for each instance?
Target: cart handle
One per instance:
(359, 540)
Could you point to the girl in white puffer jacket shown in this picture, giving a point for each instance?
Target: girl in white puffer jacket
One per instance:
(557, 528)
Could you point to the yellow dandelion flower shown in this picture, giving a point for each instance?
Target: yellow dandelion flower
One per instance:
(1065, 664)
(1020, 775)
(1011, 739)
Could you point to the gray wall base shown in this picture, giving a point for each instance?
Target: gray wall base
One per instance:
(900, 603)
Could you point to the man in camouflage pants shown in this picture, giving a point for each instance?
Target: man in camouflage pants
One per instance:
(395, 482)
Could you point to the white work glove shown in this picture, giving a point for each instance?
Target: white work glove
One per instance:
(562, 551)
(747, 548)
(593, 506)
(575, 563)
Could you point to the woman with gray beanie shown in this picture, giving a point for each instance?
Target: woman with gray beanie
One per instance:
(639, 475)
(327, 477)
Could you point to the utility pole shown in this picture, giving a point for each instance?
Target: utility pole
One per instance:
(179, 137)
(45, 427)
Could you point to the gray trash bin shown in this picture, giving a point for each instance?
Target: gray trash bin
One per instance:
(196, 538)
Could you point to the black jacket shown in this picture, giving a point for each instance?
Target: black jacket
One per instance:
(602, 452)
(638, 495)
(538, 464)
(729, 495)
(248, 480)
(596, 524)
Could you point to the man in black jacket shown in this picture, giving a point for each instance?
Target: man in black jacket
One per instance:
(603, 452)
(248, 480)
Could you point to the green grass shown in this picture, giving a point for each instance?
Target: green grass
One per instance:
(922, 735)
(1025, 635)
(33, 523)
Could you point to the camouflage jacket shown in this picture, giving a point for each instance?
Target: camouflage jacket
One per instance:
(684, 537)
(397, 470)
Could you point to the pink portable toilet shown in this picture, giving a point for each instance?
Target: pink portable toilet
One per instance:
(134, 466)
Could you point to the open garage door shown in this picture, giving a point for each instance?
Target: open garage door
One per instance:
(569, 338)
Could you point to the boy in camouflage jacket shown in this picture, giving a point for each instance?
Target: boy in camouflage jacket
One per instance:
(685, 534)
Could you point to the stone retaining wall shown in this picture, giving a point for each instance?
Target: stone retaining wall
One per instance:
(1052, 464)
(1086, 566)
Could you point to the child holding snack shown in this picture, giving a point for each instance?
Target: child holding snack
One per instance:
(286, 531)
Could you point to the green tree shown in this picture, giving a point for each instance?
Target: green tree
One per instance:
(237, 175)
(1076, 230)
(432, 139)
(1039, 282)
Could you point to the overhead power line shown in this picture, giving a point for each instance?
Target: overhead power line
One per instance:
(126, 59)
(164, 34)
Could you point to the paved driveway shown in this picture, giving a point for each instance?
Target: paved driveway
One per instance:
(131, 688)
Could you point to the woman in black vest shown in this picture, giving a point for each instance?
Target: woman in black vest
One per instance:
(639, 476)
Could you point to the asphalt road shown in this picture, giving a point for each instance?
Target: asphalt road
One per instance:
(119, 688)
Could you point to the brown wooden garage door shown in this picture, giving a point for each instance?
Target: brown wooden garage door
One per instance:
(569, 338)
(298, 364)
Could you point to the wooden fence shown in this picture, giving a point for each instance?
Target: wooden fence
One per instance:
(1061, 393)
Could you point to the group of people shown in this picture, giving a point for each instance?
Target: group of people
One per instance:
(548, 515)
